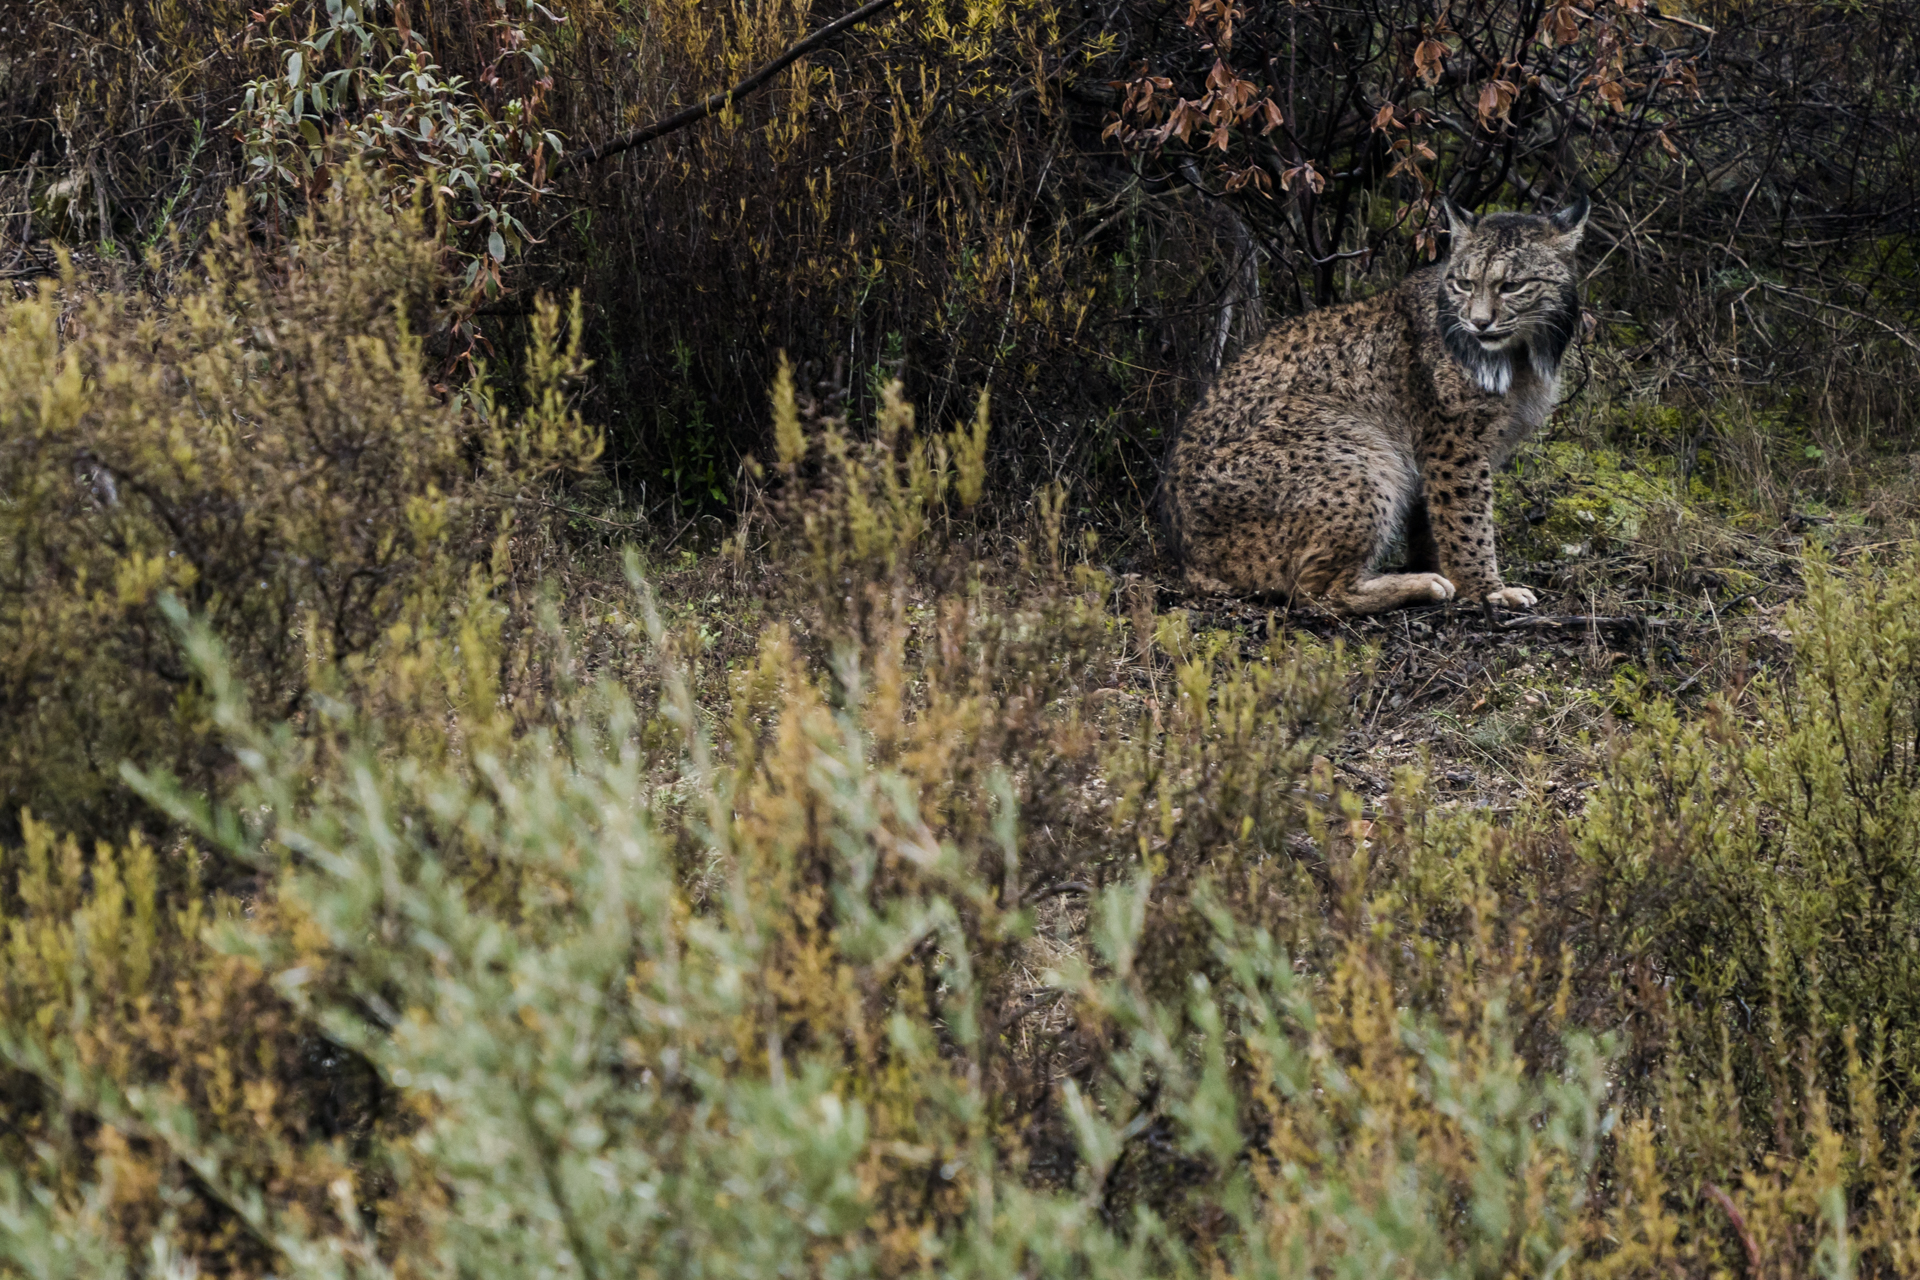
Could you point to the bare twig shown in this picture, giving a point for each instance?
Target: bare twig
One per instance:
(1582, 622)
(1687, 22)
(625, 526)
(1025, 1005)
(1739, 1221)
(718, 102)
(1899, 333)
(1055, 890)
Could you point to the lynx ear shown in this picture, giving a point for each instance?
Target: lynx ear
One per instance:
(1459, 225)
(1571, 222)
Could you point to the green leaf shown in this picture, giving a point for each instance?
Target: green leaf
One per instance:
(295, 63)
(496, 246)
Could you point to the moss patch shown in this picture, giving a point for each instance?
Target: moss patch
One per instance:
(1562, 501)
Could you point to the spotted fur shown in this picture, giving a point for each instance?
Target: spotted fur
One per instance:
(1349, 424)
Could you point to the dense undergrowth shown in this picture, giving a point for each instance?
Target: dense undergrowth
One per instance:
(462, 814)
(395, 886)
(1089, 207)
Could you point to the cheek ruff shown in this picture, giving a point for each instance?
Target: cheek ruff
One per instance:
(1491, 371)
(1548, 333)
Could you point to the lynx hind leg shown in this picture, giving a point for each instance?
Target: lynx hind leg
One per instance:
(1314, 530)
(1380, 592)
(1204, 585)
(1355, 522)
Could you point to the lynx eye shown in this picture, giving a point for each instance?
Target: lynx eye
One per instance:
(1513, 286)
(1457, 284)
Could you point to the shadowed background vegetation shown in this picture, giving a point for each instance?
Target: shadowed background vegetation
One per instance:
(1088, 207)
(584, 698)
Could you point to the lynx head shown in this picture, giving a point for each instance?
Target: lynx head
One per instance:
(1508, 291)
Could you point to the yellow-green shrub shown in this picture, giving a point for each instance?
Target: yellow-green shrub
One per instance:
(796, 1059)
(977, 920)
(114, 1008)
(265, 444)
(637, 1001)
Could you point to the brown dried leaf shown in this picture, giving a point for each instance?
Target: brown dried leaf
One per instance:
(1495, 100)
(1563, 23)
(1429, 60)
(1185, 118)
(1306, 173)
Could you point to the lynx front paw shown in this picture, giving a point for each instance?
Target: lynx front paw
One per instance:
(1441, 588)
(1511, 598)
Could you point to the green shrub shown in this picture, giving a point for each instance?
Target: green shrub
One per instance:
(263, 444)
(1768, 860)
(773, 1072)
(971, 917)
(617, 998)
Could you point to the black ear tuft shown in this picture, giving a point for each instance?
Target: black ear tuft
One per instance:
(1573, 218)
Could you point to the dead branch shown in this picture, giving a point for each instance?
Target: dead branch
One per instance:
(718, 102)
(1581, 622)
(1739, 1222)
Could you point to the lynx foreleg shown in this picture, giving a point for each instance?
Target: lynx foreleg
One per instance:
(1460, 509)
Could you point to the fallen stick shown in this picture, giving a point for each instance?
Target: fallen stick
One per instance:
(1580, 622)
